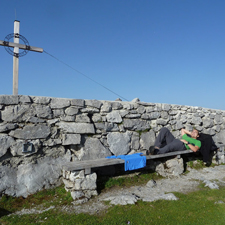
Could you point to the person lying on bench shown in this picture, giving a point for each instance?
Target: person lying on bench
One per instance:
(166, 142)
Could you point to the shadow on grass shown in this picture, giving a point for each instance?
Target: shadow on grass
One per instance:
(121, 178)
(4, 212)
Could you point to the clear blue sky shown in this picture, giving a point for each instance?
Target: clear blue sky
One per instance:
(160, 51)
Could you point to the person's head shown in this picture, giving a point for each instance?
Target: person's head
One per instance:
(194, 133)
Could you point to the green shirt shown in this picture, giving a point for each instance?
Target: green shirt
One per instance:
(192, 141)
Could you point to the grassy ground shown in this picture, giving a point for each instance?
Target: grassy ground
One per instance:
(199, 207)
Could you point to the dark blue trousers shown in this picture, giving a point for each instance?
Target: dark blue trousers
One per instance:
(167, 142)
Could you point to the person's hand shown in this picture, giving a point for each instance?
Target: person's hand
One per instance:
(185, 142)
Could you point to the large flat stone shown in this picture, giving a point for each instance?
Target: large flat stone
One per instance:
(9, 99)
(30, 132)
(77, 128)
(59, 103)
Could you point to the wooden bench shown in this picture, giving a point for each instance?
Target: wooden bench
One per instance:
(81, 181)
(87, 165)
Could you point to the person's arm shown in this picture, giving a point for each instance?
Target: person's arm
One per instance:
(192, 147)
(183, 131)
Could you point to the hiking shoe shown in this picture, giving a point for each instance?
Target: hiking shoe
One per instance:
(152, 150)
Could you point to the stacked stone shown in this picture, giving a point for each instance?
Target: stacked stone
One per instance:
(80, 185)
(64, 130)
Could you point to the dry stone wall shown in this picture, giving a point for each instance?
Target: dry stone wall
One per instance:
(39, 134)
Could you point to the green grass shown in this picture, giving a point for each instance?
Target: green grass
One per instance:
(127, 181)
(194, 208)
(57, 196)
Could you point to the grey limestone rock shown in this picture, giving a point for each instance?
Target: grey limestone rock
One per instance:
(164, 115)
(16, 113)
(136, 100)
(93, 103)
(93, 149)
(119, 143)
(53, 121)
(135, 144)
(114, 117)
(9, 99)
(89, 182)
(41, 100)
(58, 112)
(196, 120)
(207, 122)
(35, 120)
(123, 199)
(77, 194)
(154, 115)
(59, 103)
(52, 142)
(31, 132)
(218, 119)
(173, 167)
(43, 111)
(71, 139)
(24, 99)
(179, 125)
(123, 112)
(147, 139)
(5, 143)
(141, 109)
(132, 116)
(55, 151)
(77, 102)
(71, 111)
(30, 178)
(135, 124)
(168, 196)
(8, 177)
(7, 127)
(97, 118)
(76, 175)
(90, 110)
(83, 118)
(77, 128)
(111, 127)
(210, 184)
(166, 107)
(106, 107)
(67, 118)
(161, 122)
(33, 177)
(116, 105)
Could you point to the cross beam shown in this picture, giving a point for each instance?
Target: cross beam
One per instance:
(25, 47)
(17, 47)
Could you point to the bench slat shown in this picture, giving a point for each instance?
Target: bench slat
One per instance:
(79, 165)
(88, 164)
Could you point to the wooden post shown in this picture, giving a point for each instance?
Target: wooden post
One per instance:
(16, 48)
(16, 57)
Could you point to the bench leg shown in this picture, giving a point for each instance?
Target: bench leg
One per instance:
(80, 185)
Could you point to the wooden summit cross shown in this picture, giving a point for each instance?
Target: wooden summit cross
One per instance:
(16, 53)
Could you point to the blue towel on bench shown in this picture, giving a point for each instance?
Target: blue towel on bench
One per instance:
(131, 162)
